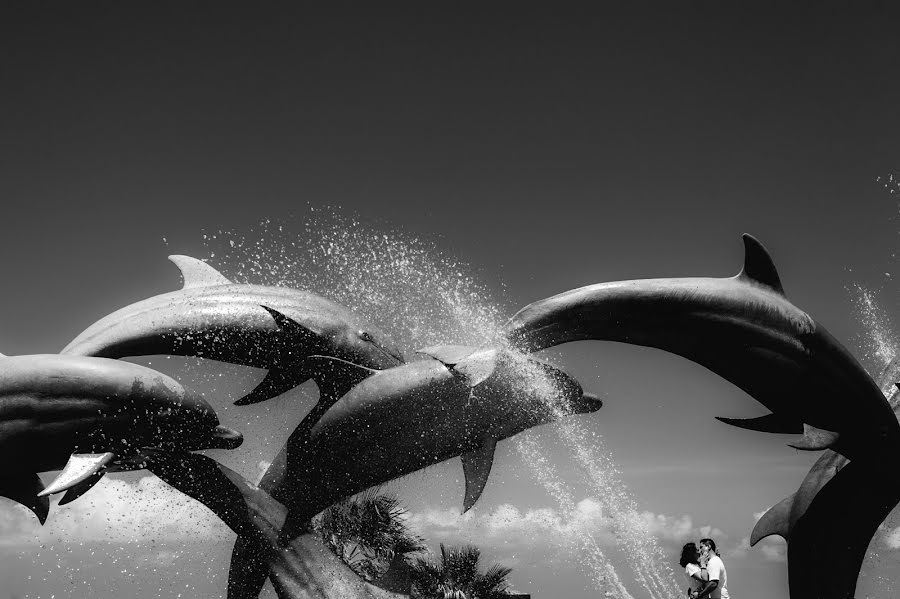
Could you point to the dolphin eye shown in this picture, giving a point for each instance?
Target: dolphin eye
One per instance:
(366, 336)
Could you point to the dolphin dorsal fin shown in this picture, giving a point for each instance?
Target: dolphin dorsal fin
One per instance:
(476, 468)
(334, 377)
(197, 273)
(776, 521)
(758, 265)
(449, 355)
(770, 423)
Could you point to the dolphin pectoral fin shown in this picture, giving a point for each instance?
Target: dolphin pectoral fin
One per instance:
(770, 423)
(276, 382)
(334, 376)
(815, 439)
(476, 468)
(759, 266)
(449, 355)
(79, 468)
(197, 273)
(80, 489)
(294, 330)
(477, 367)
(26, 489)
(776, 521)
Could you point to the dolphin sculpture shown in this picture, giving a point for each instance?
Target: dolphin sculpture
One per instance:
(828, 542)
(251, 325)
(305, 569)
(781, 518)
(90, 416)
(835, 513)
(744, 329)
(378, 426)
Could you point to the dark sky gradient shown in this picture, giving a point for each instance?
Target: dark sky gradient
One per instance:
(548, 148)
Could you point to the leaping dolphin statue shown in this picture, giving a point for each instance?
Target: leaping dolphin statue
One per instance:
(378, 426)
(251, 325)
(744, 329)
(90, 416)
(835, 513)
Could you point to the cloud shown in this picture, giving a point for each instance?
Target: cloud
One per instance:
(547, 526)
(115, 510)
(773, 547)
(775, 551)
(892, 539)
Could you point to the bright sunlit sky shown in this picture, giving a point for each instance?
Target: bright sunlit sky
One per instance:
(537, 150)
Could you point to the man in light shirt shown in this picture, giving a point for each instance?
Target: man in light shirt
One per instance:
(717, 585)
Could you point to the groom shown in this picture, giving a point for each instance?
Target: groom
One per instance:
(716, 586)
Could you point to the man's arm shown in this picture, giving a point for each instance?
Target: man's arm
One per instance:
(708, 588)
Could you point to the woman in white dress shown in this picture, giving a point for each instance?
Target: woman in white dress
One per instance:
(690, 561)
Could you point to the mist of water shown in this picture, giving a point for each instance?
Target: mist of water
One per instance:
(421, 296)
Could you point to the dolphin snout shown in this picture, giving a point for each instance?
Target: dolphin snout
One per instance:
(226, 438)
(587, 403)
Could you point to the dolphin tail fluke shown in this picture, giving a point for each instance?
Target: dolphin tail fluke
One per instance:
(815, 439)
(770, 423)
(776, 521)
(476, 468)
(248, 571)
(276, 382)
(26, 489)
(472, 364)
(449, 355)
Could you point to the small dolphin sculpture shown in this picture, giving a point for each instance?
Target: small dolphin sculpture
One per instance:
(835, 513)
(91, 416)
(742, 328)
(393, 422)
(251, 325)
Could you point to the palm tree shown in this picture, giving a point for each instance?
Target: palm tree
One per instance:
(366, 531)
(456, 576)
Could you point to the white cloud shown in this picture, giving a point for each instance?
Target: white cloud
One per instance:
(115, 510)
(892, 539)
(775, 551)
(544, 526)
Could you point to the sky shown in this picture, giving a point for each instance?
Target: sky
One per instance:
(461, 162)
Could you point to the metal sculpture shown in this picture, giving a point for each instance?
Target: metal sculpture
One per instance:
(389, 423)
(378, 419)
(252, 325)
(91, 415)
(836, 511)
(744, 329)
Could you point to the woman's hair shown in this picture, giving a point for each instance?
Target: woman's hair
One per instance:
(689, 555)
(711, 543)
